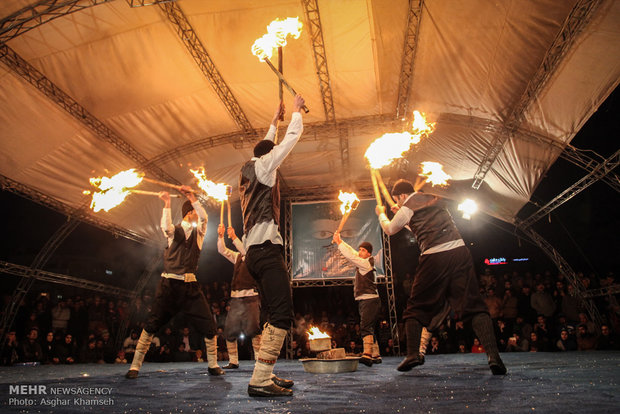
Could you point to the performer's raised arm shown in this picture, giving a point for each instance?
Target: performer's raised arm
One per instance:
(221, 246)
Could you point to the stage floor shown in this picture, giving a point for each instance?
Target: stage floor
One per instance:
(576, 382)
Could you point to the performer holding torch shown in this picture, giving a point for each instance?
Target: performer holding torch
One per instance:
(178, 289)
(366, 295)
(260, 203)
(445, 273)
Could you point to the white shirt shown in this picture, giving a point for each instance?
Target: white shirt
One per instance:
(168, 228)
(402, 219)
(363, 265)
(266, 168)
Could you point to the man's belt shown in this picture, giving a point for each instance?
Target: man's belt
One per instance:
(186, 277)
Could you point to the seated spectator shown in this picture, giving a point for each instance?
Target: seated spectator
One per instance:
(198, 356)
(167, 338)
(462, 349)
(129, 345)
(585, 321)
(352, 348)
(60, 316)
(66, 351)
(536, 344)
(585, 340)
(477, 347)
(90, 354)
(31, 349)
(523, 327)
(607, 341)
(120, 358)
(181, 355)
(566, 342)
(434, 347)
(517, 344)
(542, 302)
(543, 333)
(10, 354)
(49, 349)
(502, 333)
(297, 351)
(107, 344)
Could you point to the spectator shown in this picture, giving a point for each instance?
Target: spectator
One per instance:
(585, 340)
(49, 349)
(31, 349)
(198, 356)
(107, 344)
(536, 344)
(462, 348)
(590, 326)
(129, 345)
(524, 306)
(435, 348)
(522, 327)
(78, 323)
(510, 307)
(10, 353)
(120, 358)
(182, 355)
(517, 344)
(494, 304)
(97, 316)
(543, 332)
(607, 341)
(566, 342)
(352, 348)
(90, 354)
(542, 302)
(571, 305)
(477, 348)
(60, 316)
(66, 351)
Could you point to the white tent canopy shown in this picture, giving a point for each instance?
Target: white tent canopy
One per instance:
(131, 70)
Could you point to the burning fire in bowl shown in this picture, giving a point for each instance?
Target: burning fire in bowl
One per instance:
(328, 360)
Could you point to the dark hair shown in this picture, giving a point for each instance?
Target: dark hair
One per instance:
(187, 207)
(263, 147)
(402, 187)
(366, 246)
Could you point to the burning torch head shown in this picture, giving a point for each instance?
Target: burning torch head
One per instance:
(355, 204)
(263, 147)
(186, 208)
(228, 191)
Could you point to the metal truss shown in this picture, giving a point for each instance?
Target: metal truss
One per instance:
(195, 47)
(313, 20)
(142, 3)
(389, 279)
(578, 158)
(599, 172)
(123, 327)
(606, 291)
(45, 276)
(414, 16)
(79, 214)
(320, 193)
(302, 283)
(576, 21)
(40, 13)
(565, 269)
(20, 67)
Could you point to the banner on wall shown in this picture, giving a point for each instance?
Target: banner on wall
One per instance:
(313, 226)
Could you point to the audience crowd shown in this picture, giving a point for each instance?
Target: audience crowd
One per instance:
(531, 312)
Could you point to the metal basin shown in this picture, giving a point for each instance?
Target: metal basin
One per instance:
(330, 366)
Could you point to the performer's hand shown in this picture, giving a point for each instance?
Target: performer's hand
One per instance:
(220, 231)
(298, 103)
(279, 114)
(394, 208)
(165, 196)
(188, 192)
(231, 233)
(336, 239)
(380, 210)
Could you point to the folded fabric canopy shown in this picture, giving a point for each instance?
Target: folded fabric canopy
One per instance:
(148, 100)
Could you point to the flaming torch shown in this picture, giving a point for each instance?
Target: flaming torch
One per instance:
(112, 191)
(434, 173)
(228, 194)
(217, 191)
(391, 146)
(319, 341)
(277, 31)
(350, 202)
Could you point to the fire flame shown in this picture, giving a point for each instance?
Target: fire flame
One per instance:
(315, 333)
(213, 190)
(434, 173)
(348, 202)
(112, 191)
(276, 36)
(392, 146)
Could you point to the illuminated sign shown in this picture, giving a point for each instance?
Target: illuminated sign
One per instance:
(495, 261)
(522, 259)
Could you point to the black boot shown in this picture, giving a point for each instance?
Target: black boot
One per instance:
(281, 382)
(413, 329)
(483, 327)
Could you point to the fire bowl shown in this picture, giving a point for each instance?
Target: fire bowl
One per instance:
(320, 344)
(330, 366)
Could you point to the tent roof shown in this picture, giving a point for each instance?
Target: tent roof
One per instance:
(148, 100)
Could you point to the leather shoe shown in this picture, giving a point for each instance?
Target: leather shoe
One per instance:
(132, 374)
(366, 360)
(231, 366)
(410, 361)
(281, 382)
(271, 390)
(376, 360)
(216, 371)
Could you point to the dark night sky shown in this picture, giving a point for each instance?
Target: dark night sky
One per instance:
(584, 229)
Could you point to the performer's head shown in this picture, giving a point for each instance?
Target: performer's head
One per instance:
(401, 190)
(263, 147)
(188, 211)
(365, 250)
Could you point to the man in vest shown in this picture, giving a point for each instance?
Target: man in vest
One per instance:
(366, 294)
(445, 273)
(260, 203)
(178, 289)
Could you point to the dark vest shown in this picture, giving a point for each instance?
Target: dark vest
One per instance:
(432, 225)
(259, 202)
(242, 279)
(182, 255)
(365, 283)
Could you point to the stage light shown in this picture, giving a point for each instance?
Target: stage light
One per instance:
(468, 207)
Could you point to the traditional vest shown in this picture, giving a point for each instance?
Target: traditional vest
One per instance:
(259, 202)
(182, 255)
(432, 225)
(365, 283)
(242, 279)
